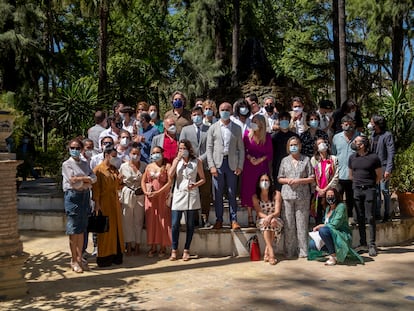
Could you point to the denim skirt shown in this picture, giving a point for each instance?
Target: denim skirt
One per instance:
(77, 206)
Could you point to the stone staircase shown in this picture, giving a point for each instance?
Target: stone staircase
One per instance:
(40, 207)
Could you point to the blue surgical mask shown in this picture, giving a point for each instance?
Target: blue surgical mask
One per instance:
(208, 113)
(178, 103)
(314, 123)
(284, 124)
(197, 119)
(74, 153)
(254, 126)
(225, 115)
(155, 157)
(293, 149)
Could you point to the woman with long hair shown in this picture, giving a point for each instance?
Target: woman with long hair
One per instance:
(189, 174)
(266, 202)
(156, 186)
(258, 155)
(334, 232)
(326, 170)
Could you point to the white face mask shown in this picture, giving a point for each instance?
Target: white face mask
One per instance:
(264, 184)
(134, 157)
(153, 114)
(124, 142)
(322, 147)
(172, 129)
(113, 161)
(298, 109)
(88, 153)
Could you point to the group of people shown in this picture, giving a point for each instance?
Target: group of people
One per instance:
(285, 166)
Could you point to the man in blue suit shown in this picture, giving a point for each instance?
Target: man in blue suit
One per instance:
(382, 143)
(225, 158)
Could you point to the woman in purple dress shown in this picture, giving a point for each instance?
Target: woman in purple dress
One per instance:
(258, 156)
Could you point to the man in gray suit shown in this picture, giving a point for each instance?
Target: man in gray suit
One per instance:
(196, 133)
(382, 143)
(225, 158)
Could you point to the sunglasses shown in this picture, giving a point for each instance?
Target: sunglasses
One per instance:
(75, 148)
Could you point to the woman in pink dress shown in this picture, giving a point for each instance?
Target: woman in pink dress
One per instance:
(258, 156)
(156, 186)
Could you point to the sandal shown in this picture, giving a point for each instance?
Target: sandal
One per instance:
(331, 261)
(162, 253)
(151, 253)
(173, 256)
(266, 258)
(186, 255)
(272, 261)
(76, 267)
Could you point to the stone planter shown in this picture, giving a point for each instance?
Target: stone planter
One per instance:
(406, 203)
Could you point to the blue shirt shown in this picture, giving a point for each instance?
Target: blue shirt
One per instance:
(341, 147)
(149, 134)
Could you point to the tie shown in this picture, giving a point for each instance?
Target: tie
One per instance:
(198, 134)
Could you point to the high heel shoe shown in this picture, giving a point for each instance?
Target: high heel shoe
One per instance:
(173, 256)
(151, 253)
(76, 267)
(186, 255)
(272, 260)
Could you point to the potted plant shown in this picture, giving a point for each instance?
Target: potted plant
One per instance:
(402, 181)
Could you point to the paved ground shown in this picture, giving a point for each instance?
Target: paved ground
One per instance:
(383, 283)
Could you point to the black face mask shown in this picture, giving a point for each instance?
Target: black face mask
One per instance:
(330, 200)
(269, 108)
(354, 146)
(119, 125)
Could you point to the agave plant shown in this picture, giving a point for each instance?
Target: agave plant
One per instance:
(398, 110)
(74, 107)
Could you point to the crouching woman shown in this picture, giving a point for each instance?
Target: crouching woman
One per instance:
(334, 232)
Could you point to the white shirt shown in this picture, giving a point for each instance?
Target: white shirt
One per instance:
(226, 136)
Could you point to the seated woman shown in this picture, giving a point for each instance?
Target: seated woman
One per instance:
(267, 204)
(334, 232)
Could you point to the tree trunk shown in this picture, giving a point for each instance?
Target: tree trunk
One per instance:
(340, 55)
(343, 71)
(397, 50)
(103, 47)
(235, 41)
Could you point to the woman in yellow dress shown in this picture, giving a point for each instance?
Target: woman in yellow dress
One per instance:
(105, 195)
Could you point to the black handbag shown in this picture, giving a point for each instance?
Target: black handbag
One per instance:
(98, 223)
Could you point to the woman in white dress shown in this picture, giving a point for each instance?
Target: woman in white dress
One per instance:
(132, 200)
(186, 197)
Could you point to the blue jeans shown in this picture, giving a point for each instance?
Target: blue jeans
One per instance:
(365, 201)
(189, 221)
(225, 177)
(383, 187)
(326, 236)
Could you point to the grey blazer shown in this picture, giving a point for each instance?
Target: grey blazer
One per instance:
(189, 132)
(215, 147)
(158, 141)
(385, 150)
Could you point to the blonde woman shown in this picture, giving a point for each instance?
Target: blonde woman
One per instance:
(209, 111)
(258, 154)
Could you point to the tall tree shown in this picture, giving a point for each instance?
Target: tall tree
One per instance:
(340, 51)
